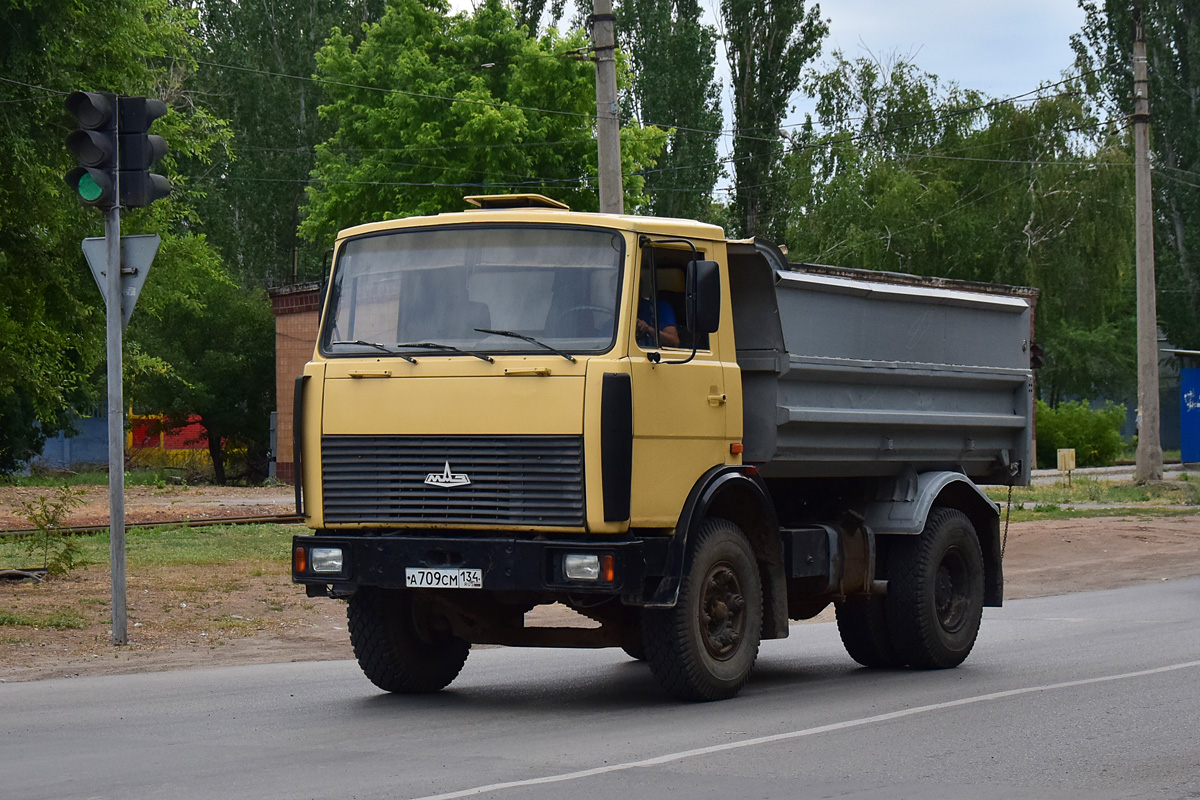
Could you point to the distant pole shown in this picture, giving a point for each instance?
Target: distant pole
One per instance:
(608, 126)
(1149, 449)
(116, 425)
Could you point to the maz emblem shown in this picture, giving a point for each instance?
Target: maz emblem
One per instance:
(447, 478)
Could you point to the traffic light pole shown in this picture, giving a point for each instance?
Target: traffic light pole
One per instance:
(116, 424)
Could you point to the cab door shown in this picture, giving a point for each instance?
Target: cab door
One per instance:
(679, 400)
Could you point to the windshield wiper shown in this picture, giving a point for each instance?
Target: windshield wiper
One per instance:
(377, 346)
(531, 340)
(448, 348)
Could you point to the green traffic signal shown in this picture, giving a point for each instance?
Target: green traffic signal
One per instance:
(88, 188)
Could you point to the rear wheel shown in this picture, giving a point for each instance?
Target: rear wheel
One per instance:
(862, 623)
(935, 592)
(705, 647)
(400, 645)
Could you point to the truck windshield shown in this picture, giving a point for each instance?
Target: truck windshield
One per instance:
(560, 286)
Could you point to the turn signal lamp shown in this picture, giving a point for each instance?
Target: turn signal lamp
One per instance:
(299, 560)
(607, 570)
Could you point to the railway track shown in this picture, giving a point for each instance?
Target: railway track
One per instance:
(73, 530)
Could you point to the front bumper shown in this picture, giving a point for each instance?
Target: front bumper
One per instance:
(508, 564)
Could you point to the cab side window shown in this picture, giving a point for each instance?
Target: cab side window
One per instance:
(662, 311)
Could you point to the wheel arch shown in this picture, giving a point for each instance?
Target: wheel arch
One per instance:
(914, 498)
(737, 494)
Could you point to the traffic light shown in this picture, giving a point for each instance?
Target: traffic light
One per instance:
(95, 145)
(115, 151)
(138, 150)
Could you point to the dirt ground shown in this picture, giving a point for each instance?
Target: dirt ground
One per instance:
(249, 612)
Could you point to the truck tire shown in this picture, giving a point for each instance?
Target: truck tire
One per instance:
(862, 623)
(935, 592)
(397, 647)
(705, 647)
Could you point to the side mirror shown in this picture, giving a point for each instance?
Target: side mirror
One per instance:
(704, 296)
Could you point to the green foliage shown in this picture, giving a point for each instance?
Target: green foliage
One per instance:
(1104, 51)
(452, 109)
(252, 194)
(1094, 433)
(672, 59)
(204, 346)
(47, 514)
(51, 316)
(769, 43)
(901, 172)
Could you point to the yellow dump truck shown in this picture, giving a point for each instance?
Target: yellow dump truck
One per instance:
(684, 438)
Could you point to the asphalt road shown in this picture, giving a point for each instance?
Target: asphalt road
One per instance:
(1092, 695)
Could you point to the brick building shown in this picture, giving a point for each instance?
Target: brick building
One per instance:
(297, 313)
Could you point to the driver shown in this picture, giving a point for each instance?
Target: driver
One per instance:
(668, 328)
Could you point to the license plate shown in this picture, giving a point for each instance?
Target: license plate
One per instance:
(442, 578)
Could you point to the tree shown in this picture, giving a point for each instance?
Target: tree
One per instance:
(912, 176)
(1104, 50)
(673, 63)
(430, 107)
(51, 318)
(769, 44)
(256, 52)
(203, 347)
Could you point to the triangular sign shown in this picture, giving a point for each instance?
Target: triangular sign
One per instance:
(137, 254)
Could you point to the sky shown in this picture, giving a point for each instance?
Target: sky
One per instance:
(999, 47)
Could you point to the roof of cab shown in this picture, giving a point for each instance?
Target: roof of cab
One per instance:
(538, 208)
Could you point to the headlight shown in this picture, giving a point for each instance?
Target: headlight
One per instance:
(581, 567)
(325, 559)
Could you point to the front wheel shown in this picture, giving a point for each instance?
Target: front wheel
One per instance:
(400, 644)
(705, 647)
(935, 592)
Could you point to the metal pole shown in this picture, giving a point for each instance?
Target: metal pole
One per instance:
(1149, 466)
(608, 124)
(116, 425)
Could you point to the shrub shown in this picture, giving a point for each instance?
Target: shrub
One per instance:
(59, 552)
(1094, 433)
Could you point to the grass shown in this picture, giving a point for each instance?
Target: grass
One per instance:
(1053, 511)
(1088, 490)
(175, 546)
(94, 478)
(58, 618)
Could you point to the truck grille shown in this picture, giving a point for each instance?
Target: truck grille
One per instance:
(513, 480)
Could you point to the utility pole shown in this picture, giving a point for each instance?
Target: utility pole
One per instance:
(1149, 465)
(608, 125)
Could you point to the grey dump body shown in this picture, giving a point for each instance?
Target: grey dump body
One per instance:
(850, 373)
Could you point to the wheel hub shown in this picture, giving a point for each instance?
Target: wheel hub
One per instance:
(722, 612)
(950, 591)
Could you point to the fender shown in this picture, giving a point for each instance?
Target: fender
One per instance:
(707, 490)
(912, 497)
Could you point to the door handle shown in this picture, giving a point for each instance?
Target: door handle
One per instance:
(715, 400)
